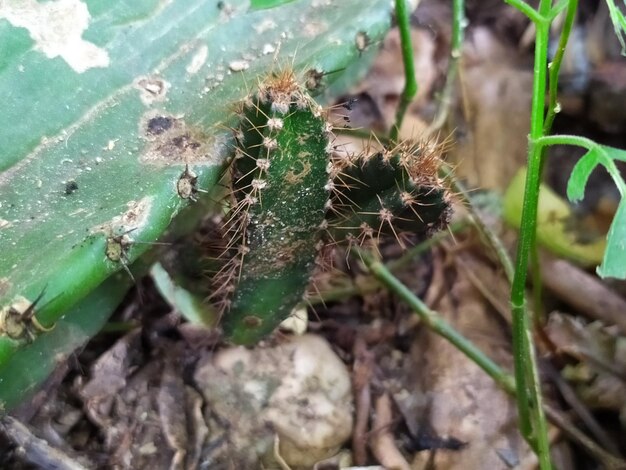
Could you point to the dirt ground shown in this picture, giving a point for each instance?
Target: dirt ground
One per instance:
(368, 385)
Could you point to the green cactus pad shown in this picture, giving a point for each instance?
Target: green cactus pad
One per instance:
(279, 200)
(393, 192)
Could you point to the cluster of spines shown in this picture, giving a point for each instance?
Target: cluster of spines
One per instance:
(292, 197)
(389, 192)
(281, 155)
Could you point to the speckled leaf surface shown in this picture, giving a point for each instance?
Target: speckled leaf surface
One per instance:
(105, 104)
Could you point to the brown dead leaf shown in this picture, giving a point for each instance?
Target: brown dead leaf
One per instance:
(451, 399)
(109, 375)
(600, 377)
(171, 405)
(492, 140)
(385, 81)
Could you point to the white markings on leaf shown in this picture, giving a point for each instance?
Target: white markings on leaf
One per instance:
(198, 59)
(57, 28)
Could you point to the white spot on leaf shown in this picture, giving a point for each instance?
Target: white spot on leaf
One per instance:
(198, 60)
(238, 65)
(57, 28)
(268, 49)
(152, 89)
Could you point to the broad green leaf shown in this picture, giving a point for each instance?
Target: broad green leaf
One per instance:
(100, 126)
(20, 376)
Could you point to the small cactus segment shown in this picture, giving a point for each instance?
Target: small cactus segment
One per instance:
(388, 193)
(280, 194)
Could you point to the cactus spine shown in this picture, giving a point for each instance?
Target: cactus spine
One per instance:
(278, 203)
(290, 196)
(393, 192)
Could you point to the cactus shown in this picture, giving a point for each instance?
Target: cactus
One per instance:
(290, 197)
(98, 162)
(279, 200)
(391, 192)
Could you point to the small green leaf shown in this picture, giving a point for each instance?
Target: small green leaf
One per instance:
(585, 166)
(614, 153)
(614, 262)
(188, 305)
(619, 23)
(580, 175)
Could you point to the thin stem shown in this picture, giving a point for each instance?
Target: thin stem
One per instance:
(555, 65)
(553, 108)
(529, 400)
(566, 139)
(558, 8)
(505, 380)
(434, 321)
(530, 12)
(459, 22)
(535, 273)
(491, 238)
(410, 84)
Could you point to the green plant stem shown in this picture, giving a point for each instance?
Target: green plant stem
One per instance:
(434, 321)
(553, 109)
(505, 380)
(532, 421)
(558, 8)
(534, 15)
(555, 65)
(410, 84)
(565, 139)
(459, 22)
(426, 245)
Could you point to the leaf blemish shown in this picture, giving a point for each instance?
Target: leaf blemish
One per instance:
(151, 89)
(57, 28)
(171, 141)
(198, 60)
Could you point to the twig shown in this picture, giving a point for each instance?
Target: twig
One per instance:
(362, 372)
(410, 84)
(584, 292)
(459, 22)
(383, 443)
(606, 460)
(503, 379)
(34, 450)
